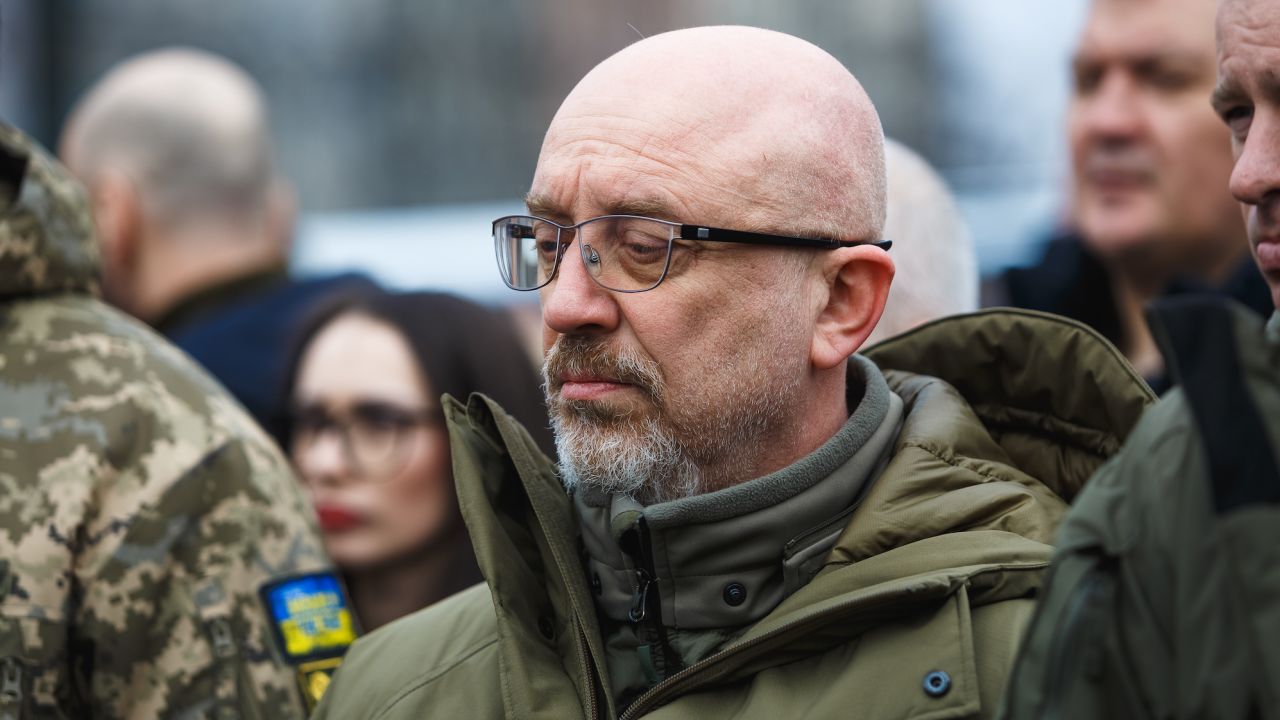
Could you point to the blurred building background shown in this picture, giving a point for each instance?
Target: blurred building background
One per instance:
(407, 125)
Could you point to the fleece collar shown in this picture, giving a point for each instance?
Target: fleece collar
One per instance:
(765, 538)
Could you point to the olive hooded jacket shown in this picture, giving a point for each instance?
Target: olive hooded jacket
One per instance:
(916, 612)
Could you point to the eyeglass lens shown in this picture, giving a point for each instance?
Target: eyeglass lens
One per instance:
(375, 436)
(622, 253)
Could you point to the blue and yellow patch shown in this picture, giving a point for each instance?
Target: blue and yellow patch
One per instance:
(313, 627)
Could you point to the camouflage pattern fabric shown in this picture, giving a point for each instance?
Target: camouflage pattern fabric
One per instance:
(140, 509)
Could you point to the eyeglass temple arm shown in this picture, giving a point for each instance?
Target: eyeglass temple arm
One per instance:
(699, 232)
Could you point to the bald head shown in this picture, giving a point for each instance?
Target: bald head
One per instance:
(746, 127)
(188, 129)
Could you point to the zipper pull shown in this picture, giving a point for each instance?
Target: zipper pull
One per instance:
(640, 601)
(10, 689)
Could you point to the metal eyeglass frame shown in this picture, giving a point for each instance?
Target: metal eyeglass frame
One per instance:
(684, 231)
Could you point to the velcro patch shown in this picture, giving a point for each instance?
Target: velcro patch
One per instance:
(310, 616)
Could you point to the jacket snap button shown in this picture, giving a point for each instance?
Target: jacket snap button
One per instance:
(545, 627)
(596, 586)
(735, 594)
(937, 683)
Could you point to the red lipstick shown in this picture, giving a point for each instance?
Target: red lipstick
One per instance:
(334, 518)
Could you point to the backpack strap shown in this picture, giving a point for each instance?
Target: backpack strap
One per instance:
(1198, 339)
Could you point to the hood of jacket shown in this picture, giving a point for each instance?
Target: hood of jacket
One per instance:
(1007, 414)
(46, 230)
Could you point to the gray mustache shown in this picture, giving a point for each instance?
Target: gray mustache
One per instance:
(577, 355)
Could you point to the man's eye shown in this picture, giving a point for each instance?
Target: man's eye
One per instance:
(1238, 120)
(1169, 80)
(645, 248)
(1086, 79)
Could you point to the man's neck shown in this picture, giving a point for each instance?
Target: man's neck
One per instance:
(1132, 296)
(178, 267)
(1137, 282)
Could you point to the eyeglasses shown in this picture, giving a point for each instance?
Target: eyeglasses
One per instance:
(376, 437)
(624, 253)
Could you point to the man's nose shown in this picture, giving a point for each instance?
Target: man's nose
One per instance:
(573, 303)
(1255, 179)
(1112, 112)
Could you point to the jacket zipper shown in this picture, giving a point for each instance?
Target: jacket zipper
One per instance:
(650, 699)
(1066, 643)
(593, 709)
(646, 603)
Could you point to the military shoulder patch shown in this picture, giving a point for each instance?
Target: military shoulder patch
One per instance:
(313, 626)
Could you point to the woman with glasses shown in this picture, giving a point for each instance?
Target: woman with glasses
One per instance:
(368, 439)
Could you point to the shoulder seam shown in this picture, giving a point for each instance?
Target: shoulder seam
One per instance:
(431, 676)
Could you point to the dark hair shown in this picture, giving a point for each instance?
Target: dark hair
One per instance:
(461, 347)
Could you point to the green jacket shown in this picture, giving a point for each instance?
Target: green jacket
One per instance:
(1164, 598)
(916, 612)
(142, 511)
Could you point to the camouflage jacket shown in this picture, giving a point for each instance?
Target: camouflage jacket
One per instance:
(143, 517)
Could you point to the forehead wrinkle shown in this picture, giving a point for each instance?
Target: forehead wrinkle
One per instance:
(643, 173)
(1237, 77)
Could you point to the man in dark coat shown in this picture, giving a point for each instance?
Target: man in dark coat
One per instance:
(1150, 214)
(1164, 596)
(193, 220)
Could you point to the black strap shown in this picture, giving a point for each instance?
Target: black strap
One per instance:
(1199, 344)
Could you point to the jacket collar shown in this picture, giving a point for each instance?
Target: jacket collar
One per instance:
(1059, 398)
(764, 538)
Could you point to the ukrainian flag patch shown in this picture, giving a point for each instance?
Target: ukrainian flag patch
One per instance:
(313, 627)
(311, 617)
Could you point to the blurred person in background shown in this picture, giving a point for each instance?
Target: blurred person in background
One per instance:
(368, 439)
(194, 222)
(1164, 595)
(1150, 212)
(936, 269)
(157, 558)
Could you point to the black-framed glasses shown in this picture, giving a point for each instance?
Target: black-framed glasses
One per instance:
(375, 437)
(624, 253)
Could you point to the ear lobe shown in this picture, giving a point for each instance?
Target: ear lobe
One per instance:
(858, 280)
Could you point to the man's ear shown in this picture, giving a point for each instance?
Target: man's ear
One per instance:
(117, 215)
(857, 283)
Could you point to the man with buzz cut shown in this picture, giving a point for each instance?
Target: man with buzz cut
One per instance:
(748, 519)
(1164, 597)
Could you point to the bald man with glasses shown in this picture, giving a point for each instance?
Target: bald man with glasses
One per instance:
(748, 519)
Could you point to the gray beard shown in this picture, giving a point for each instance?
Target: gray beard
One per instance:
(641, 460)
(658, 458)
